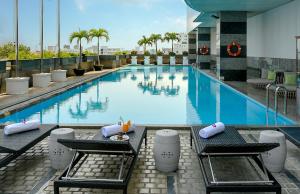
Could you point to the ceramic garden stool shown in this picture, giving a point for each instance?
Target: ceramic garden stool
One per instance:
(274, 159)
(166, 150)
(60, 156)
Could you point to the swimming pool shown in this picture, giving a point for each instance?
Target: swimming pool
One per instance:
(151, 95)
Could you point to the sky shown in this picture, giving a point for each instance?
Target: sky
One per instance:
(126, 20)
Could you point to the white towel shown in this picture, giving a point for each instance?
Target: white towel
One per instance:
(110, 130)
(212, 130)
(21, 127)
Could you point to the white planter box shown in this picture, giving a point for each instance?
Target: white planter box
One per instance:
(172, 61)
(59, 75)
(159, 60)
(17, 85)
(185, 60)
(146, 60)
(133, 60)
(41, 80)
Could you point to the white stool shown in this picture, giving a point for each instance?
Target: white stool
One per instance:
(166, 150)
(60, 156)
(274, 159)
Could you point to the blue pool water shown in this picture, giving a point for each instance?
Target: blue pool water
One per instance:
(151, 95)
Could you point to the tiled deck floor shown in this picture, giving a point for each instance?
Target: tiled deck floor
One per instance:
(31, 172)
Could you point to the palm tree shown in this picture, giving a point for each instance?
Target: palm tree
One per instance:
(155, 38)
(98, 33)
(172, 36)
(144, 42)
(81, 34)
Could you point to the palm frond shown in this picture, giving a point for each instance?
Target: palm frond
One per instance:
(99, 33)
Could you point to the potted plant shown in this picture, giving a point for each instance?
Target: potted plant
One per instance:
(172, 58)
(147, 58)
(159, 57)
(98, 33)
(133, 57)
(185, 60)
(81, 34)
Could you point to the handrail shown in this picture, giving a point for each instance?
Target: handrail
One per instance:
(285, 99)
(268, 94)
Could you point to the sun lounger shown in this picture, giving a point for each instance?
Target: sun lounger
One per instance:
(17, 144)
(226, 146)
(292, 134)
(266, 78)
(291, 90)
(290, 83)
(128, 150)
(259, 82)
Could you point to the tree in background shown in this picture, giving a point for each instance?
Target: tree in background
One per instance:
(155, 38)
(80, 35)
(144, 42)
(7, 51)
(172, 36)
(98, 33)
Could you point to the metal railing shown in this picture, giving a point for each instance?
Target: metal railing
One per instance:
(268, 94)
(278, 88)
(284, 100)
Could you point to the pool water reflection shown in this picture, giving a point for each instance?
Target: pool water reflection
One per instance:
(154, 95)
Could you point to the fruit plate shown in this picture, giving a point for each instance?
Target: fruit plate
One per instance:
(119, 138)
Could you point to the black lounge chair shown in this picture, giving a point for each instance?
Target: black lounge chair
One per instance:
(227, 145)
(129, 151)
(292, 134)
(17, 144)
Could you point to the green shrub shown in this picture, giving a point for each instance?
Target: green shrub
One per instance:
(159, 53)
(185, 53)
(147, 53)
(172, 54)
(133, 52)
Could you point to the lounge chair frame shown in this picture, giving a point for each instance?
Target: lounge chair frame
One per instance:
(127, 151)
(292, 134)
(13, 147)
(252, 152)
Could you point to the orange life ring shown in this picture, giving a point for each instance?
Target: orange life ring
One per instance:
(234, 49)
(204, 50)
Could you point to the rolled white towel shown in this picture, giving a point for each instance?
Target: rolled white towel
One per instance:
(21, 127)
(110, 130)
(212, 130)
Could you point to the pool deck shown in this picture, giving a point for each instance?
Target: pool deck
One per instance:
(32, 172)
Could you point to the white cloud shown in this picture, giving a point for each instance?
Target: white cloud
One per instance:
(82, 5)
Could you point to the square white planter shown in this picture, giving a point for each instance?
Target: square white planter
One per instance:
(172, 61)
(59, 75)
(133, 60)
(17, 85)
(159, 60)
(185, 60)
(41, 80)
(147, 60)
